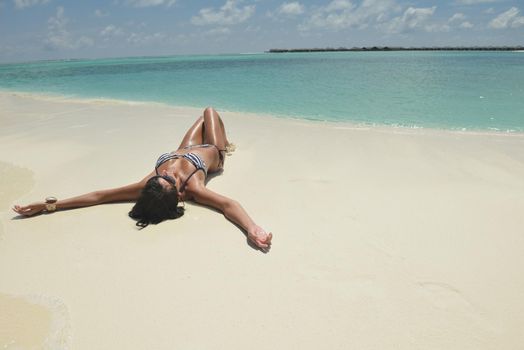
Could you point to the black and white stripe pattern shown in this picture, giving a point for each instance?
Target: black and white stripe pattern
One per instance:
(196, 160)
(192, 157)
(164, 158)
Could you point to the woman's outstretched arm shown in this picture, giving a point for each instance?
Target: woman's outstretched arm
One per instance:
(234, 212)
(119, 194)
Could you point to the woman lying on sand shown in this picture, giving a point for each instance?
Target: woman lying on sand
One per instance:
(178, 176)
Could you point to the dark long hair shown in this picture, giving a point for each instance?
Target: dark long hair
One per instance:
(156, 204)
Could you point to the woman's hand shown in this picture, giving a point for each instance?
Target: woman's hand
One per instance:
(29, 210)
(259, 237)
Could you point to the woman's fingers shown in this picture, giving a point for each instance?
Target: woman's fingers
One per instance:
(18, 209)
(266, 239)
(262, 244)
(265, 242)
(27, 210)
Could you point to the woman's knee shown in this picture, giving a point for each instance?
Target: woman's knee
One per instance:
(209, 110)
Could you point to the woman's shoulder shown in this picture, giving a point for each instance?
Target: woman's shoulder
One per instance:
(195, 184)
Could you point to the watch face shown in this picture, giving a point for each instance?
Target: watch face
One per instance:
(50, 206)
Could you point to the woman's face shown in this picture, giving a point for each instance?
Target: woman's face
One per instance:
(167, 182)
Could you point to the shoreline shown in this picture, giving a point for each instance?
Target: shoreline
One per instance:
(329, 123)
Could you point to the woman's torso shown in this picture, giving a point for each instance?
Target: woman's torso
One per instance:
(184, 163)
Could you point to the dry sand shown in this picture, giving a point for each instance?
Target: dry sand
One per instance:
(383, 238)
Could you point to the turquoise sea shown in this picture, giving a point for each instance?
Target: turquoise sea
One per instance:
(438, 89)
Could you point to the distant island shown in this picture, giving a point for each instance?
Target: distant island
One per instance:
(392, 48)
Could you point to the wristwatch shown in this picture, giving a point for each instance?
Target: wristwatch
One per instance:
(50, 204)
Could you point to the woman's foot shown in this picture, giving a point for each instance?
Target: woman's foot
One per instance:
(230, 148)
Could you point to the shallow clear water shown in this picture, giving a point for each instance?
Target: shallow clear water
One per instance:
(455, 90)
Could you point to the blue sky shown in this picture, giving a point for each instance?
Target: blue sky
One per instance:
(52, 29)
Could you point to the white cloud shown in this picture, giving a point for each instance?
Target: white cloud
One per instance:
(218, 31)
(507, 19)
(436, 28)
(145, 39)
(291, 8)
(474, 2)
(20, 4)
(58, 37)
(149, 3)
(228, 14)
(111, 30)
(457, 17)
(340, 14)
(337, 5)
(518, 22)
(414, 18)
(100, 13)
(460, 17)
(253, 29)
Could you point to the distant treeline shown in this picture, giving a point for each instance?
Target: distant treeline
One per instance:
(387, 48)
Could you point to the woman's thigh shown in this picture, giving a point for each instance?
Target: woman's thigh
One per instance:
(214, 131)
(195, 134)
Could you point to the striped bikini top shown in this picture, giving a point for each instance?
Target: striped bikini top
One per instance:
(193, 158)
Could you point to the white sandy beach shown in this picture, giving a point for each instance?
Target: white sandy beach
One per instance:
(384, 238)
